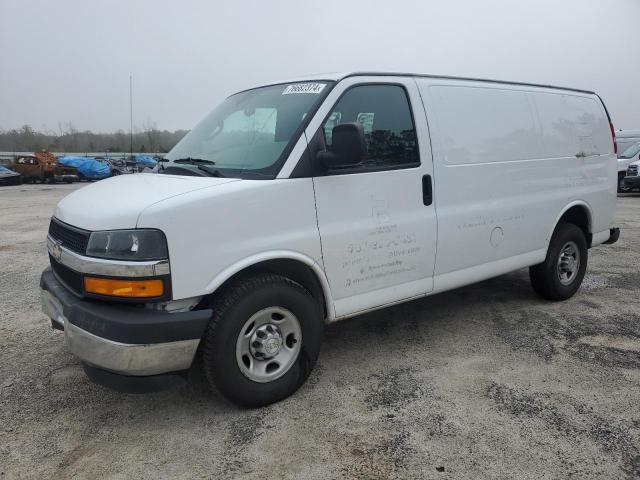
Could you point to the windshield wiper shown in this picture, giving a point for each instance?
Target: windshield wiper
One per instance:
(194, 161)
(207, 169)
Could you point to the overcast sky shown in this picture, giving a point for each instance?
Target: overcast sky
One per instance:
(70, 60)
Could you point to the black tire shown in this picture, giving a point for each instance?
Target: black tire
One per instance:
(232, 309)
(546, 278)
(115, 173)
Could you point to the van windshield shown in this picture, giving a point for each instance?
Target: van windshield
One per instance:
(632, 151)
(251, 132)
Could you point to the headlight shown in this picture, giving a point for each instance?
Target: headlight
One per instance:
(135, 245)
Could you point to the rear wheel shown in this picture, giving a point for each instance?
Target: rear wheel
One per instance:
(560, 275)
(263, 340)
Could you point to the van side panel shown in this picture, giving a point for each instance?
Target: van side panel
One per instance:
(505, 168)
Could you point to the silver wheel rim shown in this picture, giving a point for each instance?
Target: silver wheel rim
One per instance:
(268, 344)
(568, 263)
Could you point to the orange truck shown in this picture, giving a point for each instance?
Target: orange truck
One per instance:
(43, 167)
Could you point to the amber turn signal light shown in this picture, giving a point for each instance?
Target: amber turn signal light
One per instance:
(124, 288)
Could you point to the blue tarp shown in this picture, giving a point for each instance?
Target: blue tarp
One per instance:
(74, 162)
(94, 169)
(145, 160)
(87, 167)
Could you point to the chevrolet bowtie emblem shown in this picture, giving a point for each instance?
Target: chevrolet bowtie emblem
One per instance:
(56, 250)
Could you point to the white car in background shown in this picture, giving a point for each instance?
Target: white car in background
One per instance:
(626, 138)
(632, 178)
(626, 158)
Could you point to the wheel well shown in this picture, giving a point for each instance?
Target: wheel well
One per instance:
(579, 216)
(292, 269)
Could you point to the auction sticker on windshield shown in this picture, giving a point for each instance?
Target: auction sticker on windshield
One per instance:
(304, 88)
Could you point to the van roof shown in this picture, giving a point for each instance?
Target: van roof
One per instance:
(336, 76)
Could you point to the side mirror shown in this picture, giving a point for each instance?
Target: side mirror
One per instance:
(348, 146)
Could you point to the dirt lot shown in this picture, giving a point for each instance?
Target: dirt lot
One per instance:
(484, 382)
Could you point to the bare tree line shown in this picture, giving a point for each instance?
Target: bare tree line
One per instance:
(68, 138)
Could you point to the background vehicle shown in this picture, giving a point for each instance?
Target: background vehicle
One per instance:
(145, 162)
(117, 165)
(624, 159)
(44, 167)
(9, 177)
(632, 178)
(297, 204)
(625, 138)
(88, 168)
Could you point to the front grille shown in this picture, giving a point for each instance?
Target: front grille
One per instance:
(70, 278)
(632, 171)
(72, 238)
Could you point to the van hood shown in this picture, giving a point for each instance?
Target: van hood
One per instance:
(117, 202)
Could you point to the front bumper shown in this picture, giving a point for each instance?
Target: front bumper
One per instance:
(123, 339)
(10, 180)
(632, 182)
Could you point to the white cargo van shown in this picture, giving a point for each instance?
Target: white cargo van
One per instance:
(300, 203)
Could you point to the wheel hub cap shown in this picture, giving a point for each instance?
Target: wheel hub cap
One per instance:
(266, 342)
(568, 263)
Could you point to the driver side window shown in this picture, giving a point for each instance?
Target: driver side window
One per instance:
(385, 115)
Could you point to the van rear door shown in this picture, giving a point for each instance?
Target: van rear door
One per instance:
(377, 220)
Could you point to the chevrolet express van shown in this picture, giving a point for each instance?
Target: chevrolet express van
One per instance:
(296, 204)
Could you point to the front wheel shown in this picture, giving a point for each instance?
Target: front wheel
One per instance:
(560, 275)
(263, 340)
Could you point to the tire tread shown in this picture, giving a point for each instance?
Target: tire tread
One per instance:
(224, 302)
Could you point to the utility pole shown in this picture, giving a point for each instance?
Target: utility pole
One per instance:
(131, 115)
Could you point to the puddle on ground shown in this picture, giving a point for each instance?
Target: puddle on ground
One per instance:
(609, 341)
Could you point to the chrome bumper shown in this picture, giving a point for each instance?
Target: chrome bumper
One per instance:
(117, 357)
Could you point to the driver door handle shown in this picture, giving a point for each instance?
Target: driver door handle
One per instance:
(427, 190)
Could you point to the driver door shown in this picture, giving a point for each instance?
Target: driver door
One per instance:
(377, 220)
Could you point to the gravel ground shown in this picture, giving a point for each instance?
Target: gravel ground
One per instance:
(487, 381)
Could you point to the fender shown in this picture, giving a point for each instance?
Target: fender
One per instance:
(575, 203)
(245, 263)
